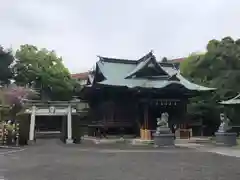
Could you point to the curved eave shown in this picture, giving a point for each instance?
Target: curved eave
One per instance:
(194, 86)
(153, 85)
(230, 102)
(207, 89)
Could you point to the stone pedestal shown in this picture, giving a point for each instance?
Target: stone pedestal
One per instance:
(69, 141)
(226, 138)
(163, 138)
(31, 142)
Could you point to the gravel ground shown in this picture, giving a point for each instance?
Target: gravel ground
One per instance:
(49, 160)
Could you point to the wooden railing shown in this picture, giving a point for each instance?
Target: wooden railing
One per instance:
(184, 133)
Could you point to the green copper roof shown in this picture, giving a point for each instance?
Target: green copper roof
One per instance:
(118, 72)
(235, 100)
(145, 61)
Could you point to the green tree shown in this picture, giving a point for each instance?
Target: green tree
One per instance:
(44, 71)
(189, 68)
(218, 68)
(6, 59)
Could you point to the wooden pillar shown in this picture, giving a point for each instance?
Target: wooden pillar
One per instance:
(146, 116)
(146, 131)
(138, 128)
(184, 110)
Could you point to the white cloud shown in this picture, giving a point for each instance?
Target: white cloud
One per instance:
(81, 30)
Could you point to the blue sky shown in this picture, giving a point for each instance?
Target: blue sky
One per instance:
(80, 30)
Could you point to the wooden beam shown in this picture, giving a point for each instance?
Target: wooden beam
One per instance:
(160, 100)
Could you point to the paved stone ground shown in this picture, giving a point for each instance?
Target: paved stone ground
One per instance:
(227, 151)
(49, 160)
(3, 150)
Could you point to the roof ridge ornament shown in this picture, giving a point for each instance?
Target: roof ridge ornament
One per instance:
(147, 56)
(52, 109)
(100, 59)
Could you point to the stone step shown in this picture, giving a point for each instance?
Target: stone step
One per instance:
(48, 134)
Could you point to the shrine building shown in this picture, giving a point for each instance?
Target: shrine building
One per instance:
(127, 96)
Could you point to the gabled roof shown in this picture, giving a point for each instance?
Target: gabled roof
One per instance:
(145, 61)
(235, 100)
(120, 72)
